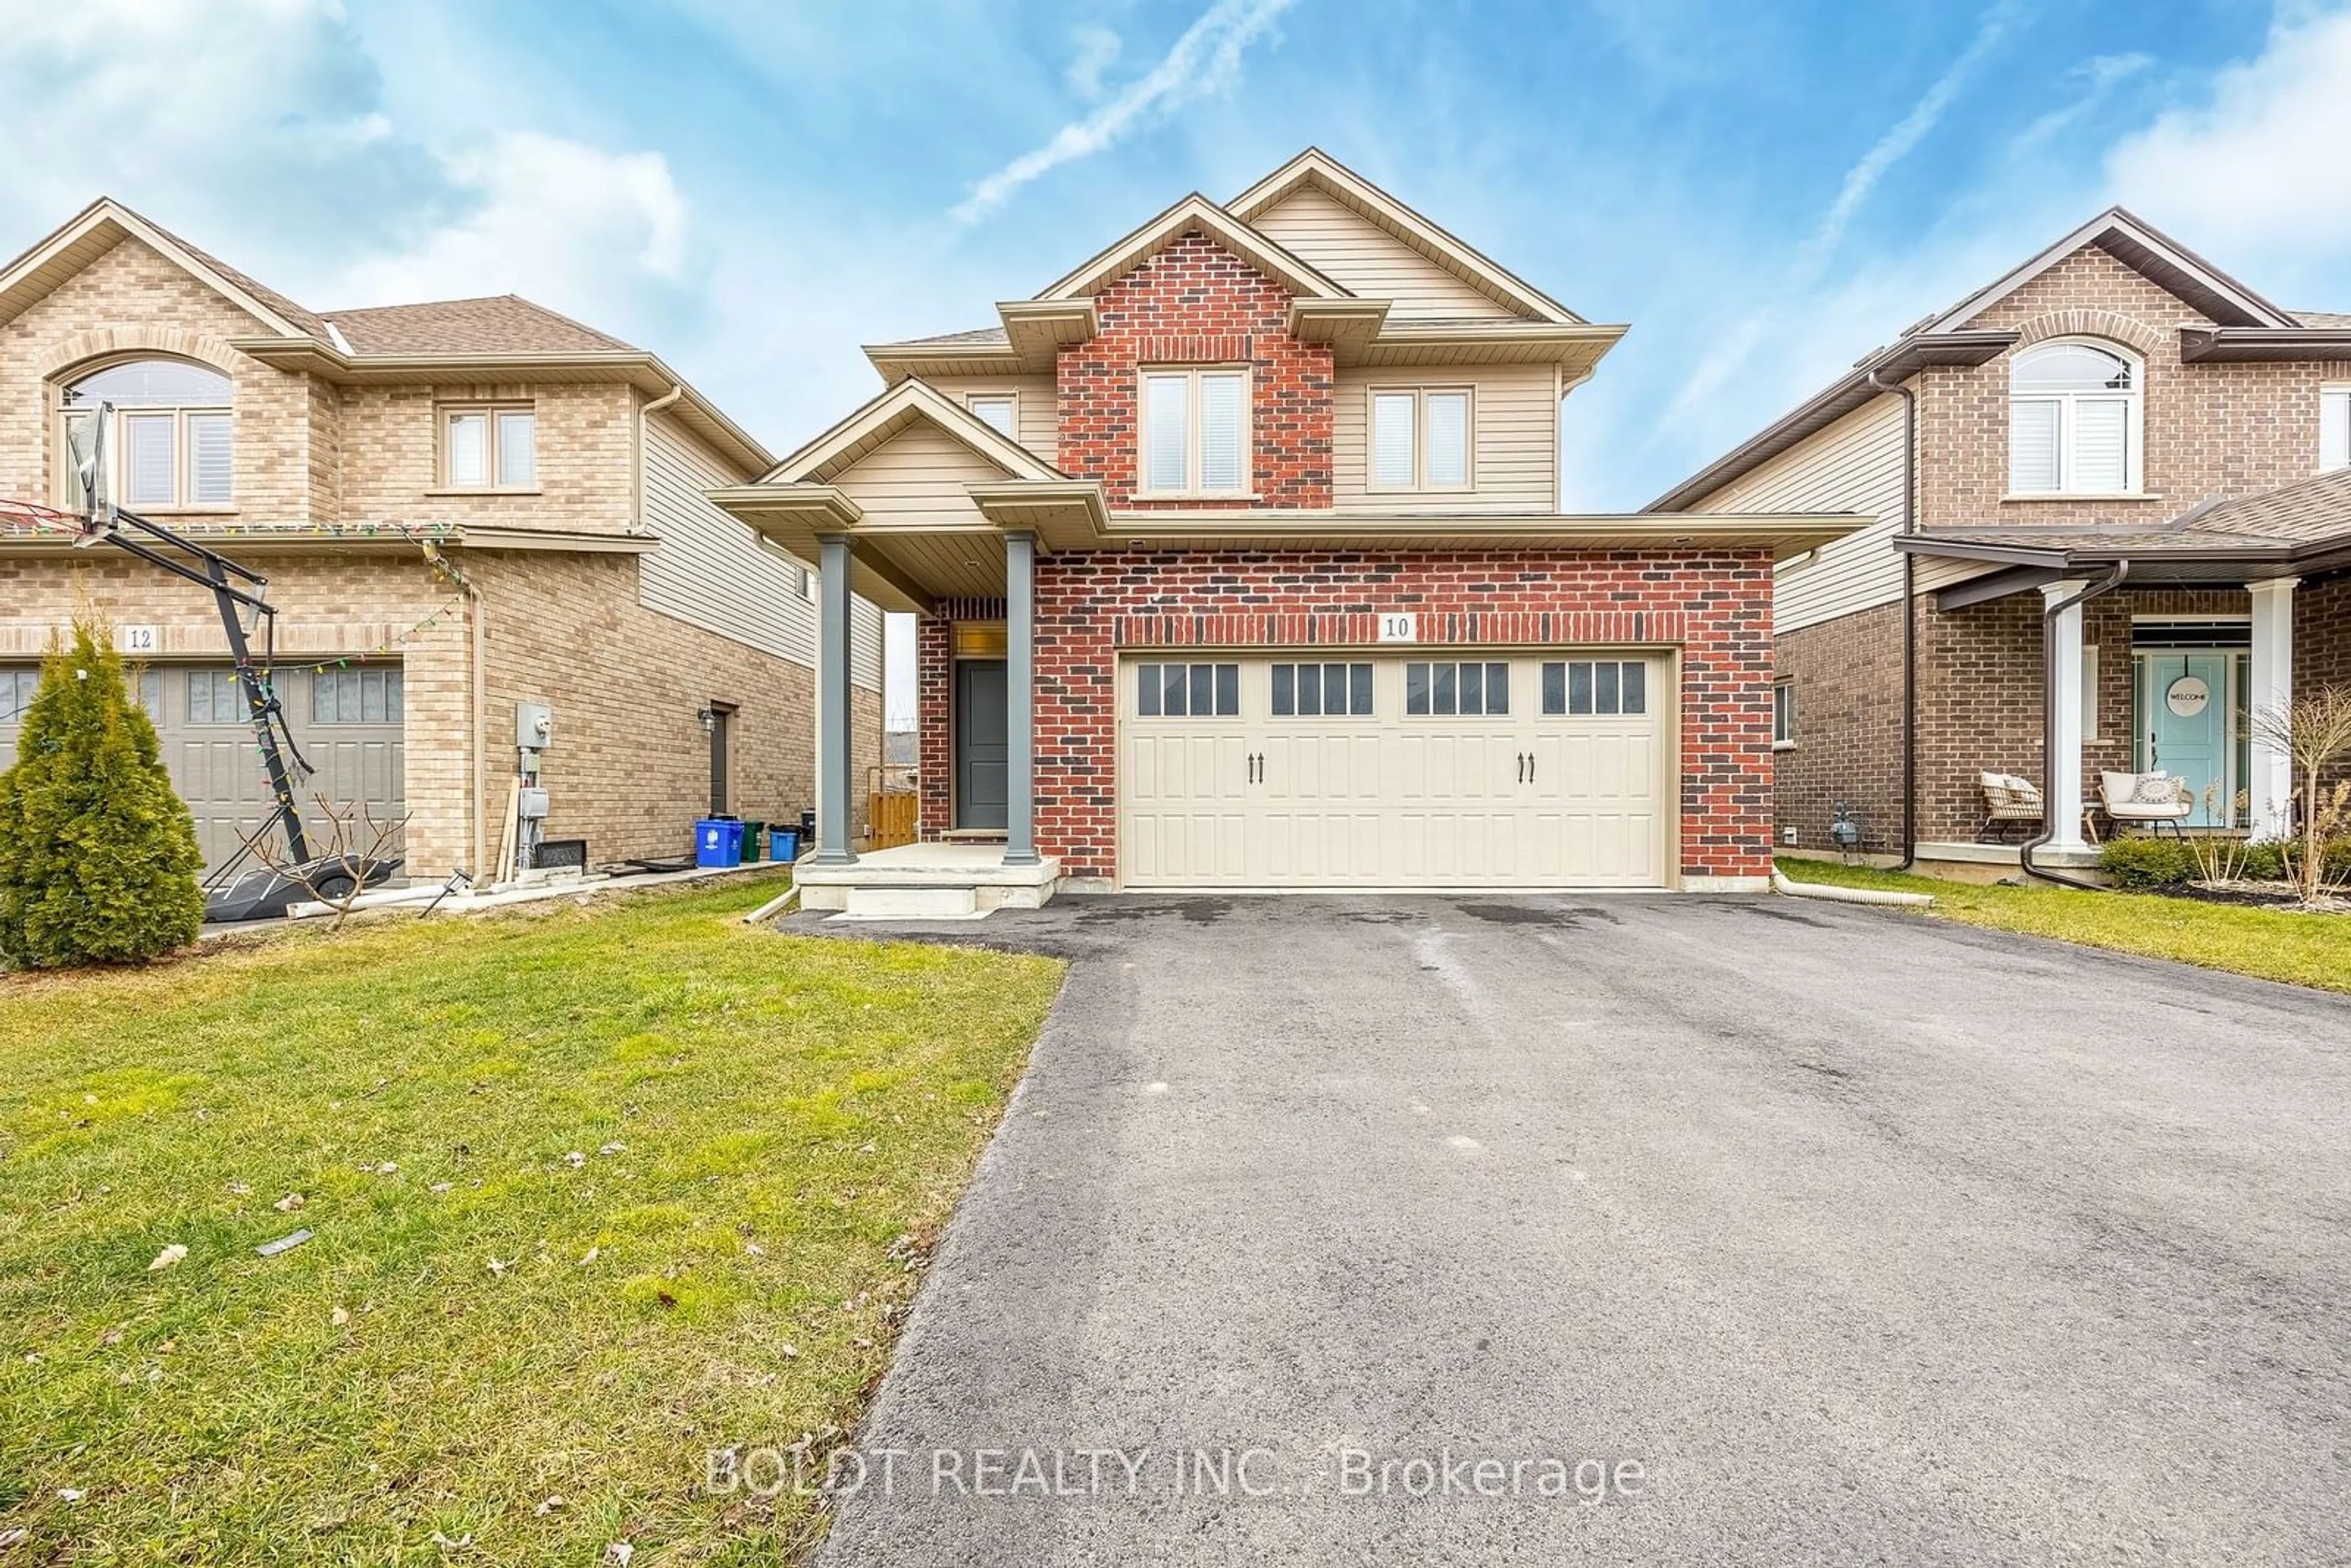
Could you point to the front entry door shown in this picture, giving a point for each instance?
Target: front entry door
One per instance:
(981, 753)
(2185, 700)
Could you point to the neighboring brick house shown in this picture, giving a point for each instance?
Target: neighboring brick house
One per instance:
(458, 507)
(1240, 563)
(2115, 416)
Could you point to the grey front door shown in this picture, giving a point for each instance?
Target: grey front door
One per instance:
(980, 752)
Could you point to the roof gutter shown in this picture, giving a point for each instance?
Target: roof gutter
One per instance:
(2049, 613)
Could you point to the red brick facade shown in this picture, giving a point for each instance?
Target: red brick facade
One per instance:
(1713, 607)
(1196, 303)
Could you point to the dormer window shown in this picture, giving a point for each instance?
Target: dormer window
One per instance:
(2073, 421)
(169, 442)
(1195, 433)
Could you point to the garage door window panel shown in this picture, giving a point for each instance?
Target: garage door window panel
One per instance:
(356, 696)
(1322, 690)
(1595, 687)
(213, 697)
(1187, 691)
(1467, 689)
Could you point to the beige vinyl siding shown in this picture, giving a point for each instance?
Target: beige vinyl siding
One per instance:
(1358, 254)
(1513, 440)
(1854, 465)
(711, 570)
(1037, 409)
(918, 475)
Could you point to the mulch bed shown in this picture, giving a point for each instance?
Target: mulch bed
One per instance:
(2256, 895)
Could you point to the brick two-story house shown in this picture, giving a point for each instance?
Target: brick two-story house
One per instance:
(2116, 463)
(458, 507)
(1241, 564)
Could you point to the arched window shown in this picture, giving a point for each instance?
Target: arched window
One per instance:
(2073, 421)
(168, 436)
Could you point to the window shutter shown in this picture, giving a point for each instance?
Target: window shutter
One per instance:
(2031, 445)
(1166, 422)
(517, 449)
(2334, 431)
(1221, 423)
(1392, 440)
(1449, 438)
(2101, 445)
(469, 449)
(209, 454)
(146, 463)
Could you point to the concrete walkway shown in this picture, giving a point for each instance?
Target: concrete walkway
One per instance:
(1781, 1232)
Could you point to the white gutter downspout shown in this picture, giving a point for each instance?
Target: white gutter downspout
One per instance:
(1781, 884)
(637, 480)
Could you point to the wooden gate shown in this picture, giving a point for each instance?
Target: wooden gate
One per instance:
(890, 807)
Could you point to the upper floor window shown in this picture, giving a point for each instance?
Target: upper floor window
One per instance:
(1194, 432)
(2334, 429)
(167, 442)
(999, 411)
(2073, 421)
(489, 449)
(1420, 438)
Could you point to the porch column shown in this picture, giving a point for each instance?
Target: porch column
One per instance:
(2063, 802)
(1020, 698)
(2269, 783)
(833, 705)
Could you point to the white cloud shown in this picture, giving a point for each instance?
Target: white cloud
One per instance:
(574, 224)
(2263, 165)
(2099, 76)
(1098, 50)
(1203, 61)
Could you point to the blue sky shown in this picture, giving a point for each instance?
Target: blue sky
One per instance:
(1764, 191)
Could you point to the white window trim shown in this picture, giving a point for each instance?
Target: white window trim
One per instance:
(1010, 395)
(1192, 492)
(445, 484)
(1420, 394)
(2090, 731)
(2134, 426)
(1784, 739)
(2328, 392)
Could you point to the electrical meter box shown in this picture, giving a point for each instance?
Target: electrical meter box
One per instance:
(530, 805)
(534, 724)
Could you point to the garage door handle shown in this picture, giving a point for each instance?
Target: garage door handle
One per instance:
(1522, 766)
(1530, 766)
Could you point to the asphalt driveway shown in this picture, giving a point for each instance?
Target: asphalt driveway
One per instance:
(1727, 1231)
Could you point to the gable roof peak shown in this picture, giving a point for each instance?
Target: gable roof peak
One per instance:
(105, 222)
(1193, 213)
(2145, 249)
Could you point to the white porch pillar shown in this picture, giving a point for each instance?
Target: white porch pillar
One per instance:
(2268, 784)
(1020, 698)
(2064, 765)
(834, 783)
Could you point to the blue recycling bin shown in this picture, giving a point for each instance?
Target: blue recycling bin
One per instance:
(783, 844)
(717, 842)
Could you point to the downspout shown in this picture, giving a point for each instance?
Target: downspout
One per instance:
(1909, 619)
(645, 418)
(2049, 615)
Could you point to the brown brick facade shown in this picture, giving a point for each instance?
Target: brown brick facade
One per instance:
(1194, 303)
(1713, 608)
(1847, 676)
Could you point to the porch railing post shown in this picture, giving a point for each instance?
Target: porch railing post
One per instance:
(1020, 698)
(832, 701)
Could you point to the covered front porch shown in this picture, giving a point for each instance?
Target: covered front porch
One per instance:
(2063, 656)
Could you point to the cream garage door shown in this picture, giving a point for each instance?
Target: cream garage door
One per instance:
(1486, 769)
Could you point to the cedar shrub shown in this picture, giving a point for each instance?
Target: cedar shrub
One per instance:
(97, 853)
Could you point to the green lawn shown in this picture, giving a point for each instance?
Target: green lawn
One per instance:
(594, 1192)
(2270, 944)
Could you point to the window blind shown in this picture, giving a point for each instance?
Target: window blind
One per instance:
(995, 412)
(2334, 431)
(468, 449)
(147, 463)
(1392, 439)
(209, 458)
(1166, 423)
(517, 449)
(2032, 446)
(1221, 431)
(2101, 445)
(1449, 438)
